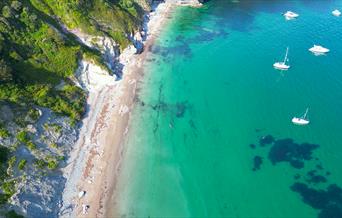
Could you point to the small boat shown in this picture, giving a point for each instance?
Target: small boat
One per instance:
(336, 13)
(303, 120)
(282, 65)
(319, 49)
(290, 15)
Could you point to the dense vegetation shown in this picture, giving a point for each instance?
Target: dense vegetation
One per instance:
(36, 55)
(115, 18)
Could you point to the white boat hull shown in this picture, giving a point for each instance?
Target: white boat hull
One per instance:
(336, 13)
(281, 66)
(319, 50)
(290, 15)
(300, 121)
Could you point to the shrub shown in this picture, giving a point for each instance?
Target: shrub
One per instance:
(8, 188)
(56, 127)
(31, 146)
(61, 158)
(22, 136)
(6, 12)
(22, 164)
(34, 114)
(52, 164)
(41, 164)
(3, 131)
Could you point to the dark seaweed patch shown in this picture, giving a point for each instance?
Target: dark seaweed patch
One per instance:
(314, 178)
(328, 201)
(298, 164)
(179, 49)
(180, 109)
(311, 173)
(266, 140)
(203, 35)
(253, 146)
(331, 211)
(257, 162)
(161, 106)
(206, 35)
(317, 179)
(285, 150)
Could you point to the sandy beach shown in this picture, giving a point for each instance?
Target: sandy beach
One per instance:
(95, 162)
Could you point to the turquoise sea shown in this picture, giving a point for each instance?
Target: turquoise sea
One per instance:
(211, 135)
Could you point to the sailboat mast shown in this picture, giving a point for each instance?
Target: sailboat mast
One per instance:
(306, 112)
(287, 50)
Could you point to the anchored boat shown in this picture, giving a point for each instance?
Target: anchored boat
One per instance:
(290, 15)
(303, 120)
(319, 49)
(282, 65)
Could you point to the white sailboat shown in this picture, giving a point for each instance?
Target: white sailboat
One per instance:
(282, 65)
(289, 15)
(303, 120)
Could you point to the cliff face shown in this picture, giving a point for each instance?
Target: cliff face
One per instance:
(41, 95)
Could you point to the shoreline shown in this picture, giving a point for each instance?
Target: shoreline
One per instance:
(95, 162)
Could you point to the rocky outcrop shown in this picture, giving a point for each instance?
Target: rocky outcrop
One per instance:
(38, 184)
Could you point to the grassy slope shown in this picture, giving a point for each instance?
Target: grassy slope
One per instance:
(35, 56)
(115, 18)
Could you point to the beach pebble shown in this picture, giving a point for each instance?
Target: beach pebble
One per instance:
(85, 208)
(81, 194)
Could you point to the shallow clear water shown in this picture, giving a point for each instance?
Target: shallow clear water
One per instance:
(210, 91)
